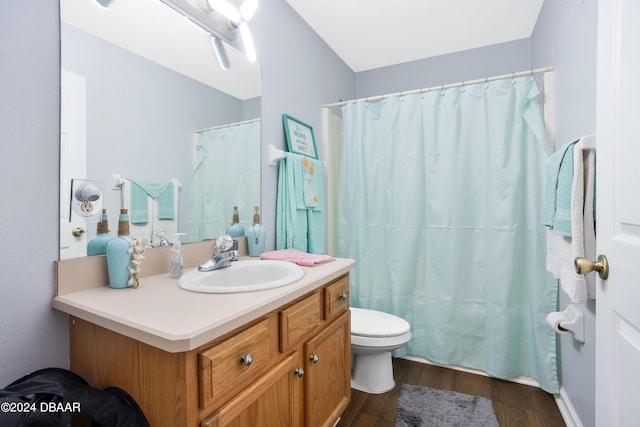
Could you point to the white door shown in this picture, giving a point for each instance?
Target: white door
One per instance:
(73, 160)
(618, 214)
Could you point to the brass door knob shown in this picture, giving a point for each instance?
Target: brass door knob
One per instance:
(584, 266)
(77, 232)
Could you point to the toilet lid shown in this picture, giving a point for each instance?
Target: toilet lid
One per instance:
(371, 323)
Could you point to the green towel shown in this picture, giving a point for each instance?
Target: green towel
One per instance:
(162, 191)
(300, 219)
(557, 209)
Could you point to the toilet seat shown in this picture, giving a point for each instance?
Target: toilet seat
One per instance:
(376, 324)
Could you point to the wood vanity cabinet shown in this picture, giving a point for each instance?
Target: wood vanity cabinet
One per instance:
(290, 367)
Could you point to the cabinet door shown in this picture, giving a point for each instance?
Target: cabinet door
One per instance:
(275, 400)
(328, 373)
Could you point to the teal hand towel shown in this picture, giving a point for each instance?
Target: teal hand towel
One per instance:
(557, 209)
(291, 222)
(138, 212)
(300, 217)
(162, 191)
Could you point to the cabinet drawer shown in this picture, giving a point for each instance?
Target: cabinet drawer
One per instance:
(299, 320)
(230, 365)
(336, 297)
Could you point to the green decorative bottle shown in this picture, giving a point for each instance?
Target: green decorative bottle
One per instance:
(256, 235)
(118, 254)
(98, 245)
(235, 229)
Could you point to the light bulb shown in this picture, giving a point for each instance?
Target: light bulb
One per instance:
(248, 8)
(247, 40)
(221, 53)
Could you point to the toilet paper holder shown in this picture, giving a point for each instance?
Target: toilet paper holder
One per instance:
(569, 321)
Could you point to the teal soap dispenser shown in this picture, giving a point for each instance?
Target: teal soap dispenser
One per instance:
(256, 235)
(235, 229)
(98, 245)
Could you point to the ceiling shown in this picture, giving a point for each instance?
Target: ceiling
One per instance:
(370, 34)
(366, 34)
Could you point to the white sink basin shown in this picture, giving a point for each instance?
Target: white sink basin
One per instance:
(242, 276)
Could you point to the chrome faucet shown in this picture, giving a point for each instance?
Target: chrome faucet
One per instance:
(224, 252)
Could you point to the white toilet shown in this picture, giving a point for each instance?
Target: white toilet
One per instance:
(374, 335)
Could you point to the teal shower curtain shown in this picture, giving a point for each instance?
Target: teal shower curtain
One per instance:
(440, 200)
(226, 174)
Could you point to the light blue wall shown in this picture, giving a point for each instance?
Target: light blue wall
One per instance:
(32, 335)
(565, 36)
(300, 73)
(445, 69)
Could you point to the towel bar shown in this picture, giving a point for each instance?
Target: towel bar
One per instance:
(588, 142)
(117, 181)
(274, 154)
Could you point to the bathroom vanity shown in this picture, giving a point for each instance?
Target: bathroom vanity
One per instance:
(278, 357)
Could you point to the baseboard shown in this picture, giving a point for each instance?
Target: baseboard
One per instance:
(569, 415)
(564, 404)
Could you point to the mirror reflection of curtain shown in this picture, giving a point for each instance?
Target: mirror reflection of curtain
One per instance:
(440, 200)
(226, 174)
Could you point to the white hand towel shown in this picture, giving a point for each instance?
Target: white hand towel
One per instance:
(561, 250)
(589, 220)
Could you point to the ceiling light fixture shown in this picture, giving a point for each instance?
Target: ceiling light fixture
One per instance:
(222, 21)
(239, 19)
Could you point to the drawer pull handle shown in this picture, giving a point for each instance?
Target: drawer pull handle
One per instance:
(246, 359)
(299, 372)
(343, 296)
(314, 358)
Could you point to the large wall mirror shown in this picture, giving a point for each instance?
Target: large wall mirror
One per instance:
(142, 96)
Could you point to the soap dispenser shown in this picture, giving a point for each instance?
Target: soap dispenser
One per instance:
(235, 229)
(256, 235)
(176, 256)
(98, 245)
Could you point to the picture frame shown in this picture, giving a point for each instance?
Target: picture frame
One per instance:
(300, 137)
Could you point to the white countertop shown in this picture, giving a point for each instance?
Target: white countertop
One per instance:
(161, 314)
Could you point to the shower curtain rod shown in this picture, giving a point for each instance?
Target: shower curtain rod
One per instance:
(228, 125)
(440, 87)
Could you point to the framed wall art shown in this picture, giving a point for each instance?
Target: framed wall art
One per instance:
(300, 138)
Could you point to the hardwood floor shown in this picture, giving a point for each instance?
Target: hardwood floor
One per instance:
(514, 404)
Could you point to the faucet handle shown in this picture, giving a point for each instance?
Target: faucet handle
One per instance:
(223, 243)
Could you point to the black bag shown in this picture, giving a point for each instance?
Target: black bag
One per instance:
(49, 398)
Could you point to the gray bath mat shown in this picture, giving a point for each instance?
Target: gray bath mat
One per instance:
(423, 406)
